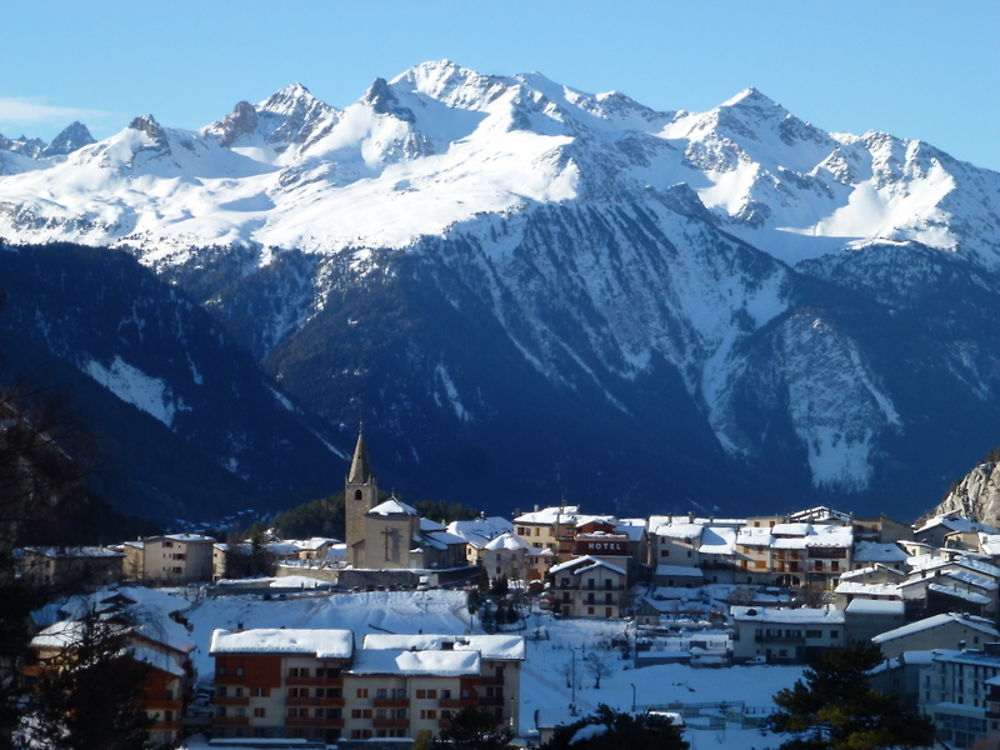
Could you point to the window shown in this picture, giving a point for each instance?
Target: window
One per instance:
(379, 713)
(590, 610)
(446, 693)
(260, 692)
(833, 633)
(429, 713)
(432, 693)
(381, 693)
(240, 671)
(220, 669)
(421, 694)
(814, 634)
(259, 712)
(400, 693)
(362, 693)
(664, 553)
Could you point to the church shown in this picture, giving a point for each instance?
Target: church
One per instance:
(388, 534)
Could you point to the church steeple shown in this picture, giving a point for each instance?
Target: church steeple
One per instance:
(361, 469)
(360, 496)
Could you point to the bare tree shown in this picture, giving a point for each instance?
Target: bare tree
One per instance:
(598, 666)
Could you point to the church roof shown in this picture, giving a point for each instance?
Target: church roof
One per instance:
(361, 469)
(393, 507)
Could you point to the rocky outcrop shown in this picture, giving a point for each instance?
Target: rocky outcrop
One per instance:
(976, 496)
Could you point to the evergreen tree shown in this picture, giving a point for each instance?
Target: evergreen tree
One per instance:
(607, 729)
(86, 698)
(473, 728)
(835, 708)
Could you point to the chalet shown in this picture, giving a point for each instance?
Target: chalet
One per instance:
(589, 587)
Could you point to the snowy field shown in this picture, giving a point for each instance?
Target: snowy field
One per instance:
(546, 693)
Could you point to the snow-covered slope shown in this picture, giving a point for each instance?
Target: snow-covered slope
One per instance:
(694, 278)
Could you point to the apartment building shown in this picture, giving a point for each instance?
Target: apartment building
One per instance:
(56, 566)
(785, 635)
(167, 674)
(955, 693)
(314, 684)
(170, 558)
(553, 527)
(589, 587)
(949, 630)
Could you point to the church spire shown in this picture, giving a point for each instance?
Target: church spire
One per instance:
(361, 470)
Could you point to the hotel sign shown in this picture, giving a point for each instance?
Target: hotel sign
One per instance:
(604, 547)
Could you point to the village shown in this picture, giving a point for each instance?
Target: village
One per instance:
(386, 634)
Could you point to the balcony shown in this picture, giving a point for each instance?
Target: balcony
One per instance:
(391, 723)
(392, 703)
(231, 700)
(456, 702)
(782, 638)
(313, 721)
(162, 704)
(488, 700)
(317, 681)
(303, 700)
(166, 726)
(229, 721)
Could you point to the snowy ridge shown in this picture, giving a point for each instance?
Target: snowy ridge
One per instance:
(440, 144)
(610, 244)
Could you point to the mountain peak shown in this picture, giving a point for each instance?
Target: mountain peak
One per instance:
(288, 99)
(73, 136)
(148, 125)
(750, 96)
(383, 101)
(240, 122)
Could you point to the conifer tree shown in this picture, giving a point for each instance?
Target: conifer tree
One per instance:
(835, 708)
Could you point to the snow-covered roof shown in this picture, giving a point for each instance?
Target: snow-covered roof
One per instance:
(679, 530)
(551, 515)
(955, 523)
(67, 552)
(583, 520)
(427, 524)
(927, 563)
(393, 507)
(791, 616)
(977, 623)
(323, 643)
(490, 647)
(754, 537)
(878, 552)
(959, 593)
(867, 589)
(157, 660)
(869, 570)
(479, 531)
(792, 529)
(430, 663)
(186, 538)
(990, 543)
(876, 607)
(718, 540)
(633, 527)
(508, 541)
(580, 565)
(820, 513)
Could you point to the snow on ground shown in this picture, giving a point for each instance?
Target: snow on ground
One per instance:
(545, 690)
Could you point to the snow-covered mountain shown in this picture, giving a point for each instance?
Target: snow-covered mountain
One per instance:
(506, 274)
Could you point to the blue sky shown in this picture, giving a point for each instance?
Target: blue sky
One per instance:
(914, 68)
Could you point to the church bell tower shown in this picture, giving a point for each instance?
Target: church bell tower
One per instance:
(360, 496)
